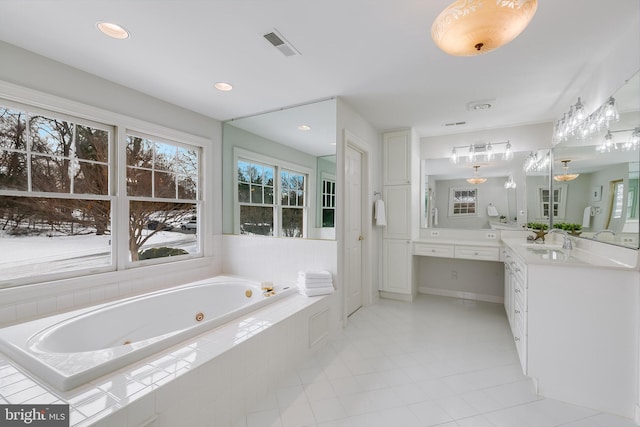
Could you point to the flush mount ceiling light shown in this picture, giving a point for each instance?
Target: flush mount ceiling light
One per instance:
(304, 128)
(565, 176)
(223, 87)
(476, 179)
(112, 30)
(472, 27)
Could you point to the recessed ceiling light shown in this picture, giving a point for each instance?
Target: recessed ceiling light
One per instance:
(304, 127)
(222, 86)
(113, 30)
(483, 104)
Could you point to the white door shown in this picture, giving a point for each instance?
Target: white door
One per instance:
(353, 221)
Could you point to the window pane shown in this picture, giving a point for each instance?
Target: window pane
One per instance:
(161, 229)
(292, 222)
(256, 220)
(51, 136)
(13, 126)
(138, 182)
(164, 185)
(92, 144)
(256, 194)
(13, 170)
(139, 152)
(243, 193)
(50, 174)
(187, 187)
(165, 156)
(327, 217)
(268, 176)
(45, 235)
(243, 171)
(91, 178)
(256, 174)
(268, 195)
(187, 162)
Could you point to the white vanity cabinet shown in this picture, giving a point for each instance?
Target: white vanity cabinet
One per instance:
(515, 302)
(401, 193)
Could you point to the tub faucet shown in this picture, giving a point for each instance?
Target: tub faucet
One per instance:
(566, 244)
(606, 230)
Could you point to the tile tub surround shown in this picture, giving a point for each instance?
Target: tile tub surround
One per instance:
(206, 381)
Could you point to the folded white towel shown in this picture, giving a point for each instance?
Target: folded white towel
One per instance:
(379, 213)
(315, 275)
(586, 217)
(314, 283)
(313, 292)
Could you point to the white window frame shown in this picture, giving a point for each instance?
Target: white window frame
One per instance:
(34, 100)
(279, 165)
(562, 205)
(452, 196)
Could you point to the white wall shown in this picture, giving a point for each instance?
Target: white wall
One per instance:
(33, 79)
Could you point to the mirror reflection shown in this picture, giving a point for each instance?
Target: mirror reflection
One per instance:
(473, 195)
(279, 173)
(596, 180)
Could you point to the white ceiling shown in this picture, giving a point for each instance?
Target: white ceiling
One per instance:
(377, 55)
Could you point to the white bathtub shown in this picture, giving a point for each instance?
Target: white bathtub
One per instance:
(74, 348)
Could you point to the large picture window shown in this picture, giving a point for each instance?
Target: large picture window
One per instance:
(271, 198)
(59, 207)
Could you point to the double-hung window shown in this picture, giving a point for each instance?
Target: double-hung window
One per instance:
(56, 202)
(63, 200)
(271, 197)
(162, 192)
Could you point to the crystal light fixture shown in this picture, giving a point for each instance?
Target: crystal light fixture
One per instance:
(608, 144)
(565, 176)
(576, 123)
(634, 140)
(476, 179)
(476, 151)
(509, 183)
(472, 27)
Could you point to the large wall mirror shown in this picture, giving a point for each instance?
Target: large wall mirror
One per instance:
(279, 173)
(603, 196)
(477, 194)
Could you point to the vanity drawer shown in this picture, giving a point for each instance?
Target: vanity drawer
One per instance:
(427, 249)
(478, 252)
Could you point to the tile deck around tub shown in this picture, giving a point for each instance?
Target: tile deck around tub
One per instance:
(109, 395)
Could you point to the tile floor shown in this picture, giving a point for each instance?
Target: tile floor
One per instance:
(437, 361)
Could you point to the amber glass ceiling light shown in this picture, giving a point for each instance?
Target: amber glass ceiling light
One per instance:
(472, 27)
(566, 176)
(114, 31)
(476, 179)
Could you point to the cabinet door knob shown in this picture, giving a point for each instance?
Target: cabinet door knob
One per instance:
(361, 237)
(517, 290)
(517, 311)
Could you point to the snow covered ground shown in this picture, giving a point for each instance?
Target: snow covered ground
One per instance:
(32, 255)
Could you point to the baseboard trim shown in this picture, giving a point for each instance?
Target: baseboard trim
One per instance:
(461, 294)
(396, 296)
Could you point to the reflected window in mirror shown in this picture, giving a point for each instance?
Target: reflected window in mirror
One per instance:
(259, 211)
(557, 205)
(328, 200)
(463, 201)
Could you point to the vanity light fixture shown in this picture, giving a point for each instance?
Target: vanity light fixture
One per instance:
(509, 183)
(607, 144)
(112, 30)
(476, 179)
(223, 86)
(634, 140)
(576, 123)
(473, 27)
(565, 176)
(533, 162)
(476, 151)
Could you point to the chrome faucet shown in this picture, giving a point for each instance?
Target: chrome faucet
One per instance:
(606, 230)
(567, 243)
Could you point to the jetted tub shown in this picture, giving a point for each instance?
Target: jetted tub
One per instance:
(70, 349)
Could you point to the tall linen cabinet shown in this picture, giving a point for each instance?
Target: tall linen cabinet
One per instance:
(401, 194)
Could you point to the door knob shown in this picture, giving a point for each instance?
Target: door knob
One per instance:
(361, 237)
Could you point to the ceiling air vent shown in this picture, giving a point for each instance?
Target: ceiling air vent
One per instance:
(281, 43)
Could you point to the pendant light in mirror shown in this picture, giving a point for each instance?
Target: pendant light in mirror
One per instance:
(565, 176)
(476, 179)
